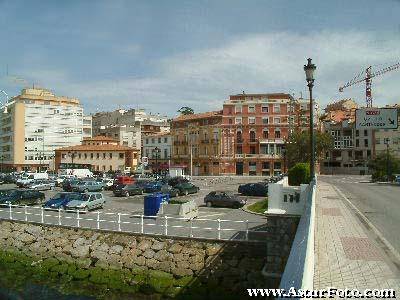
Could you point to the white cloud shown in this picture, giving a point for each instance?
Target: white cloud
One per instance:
(255, 64)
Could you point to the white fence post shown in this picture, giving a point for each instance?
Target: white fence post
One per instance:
(191, 228)
(77, 218)
(219, 229)
(42, 214)
(59, 216)
(98, 220)
(247, 230)
(119, 221)
(26, 213)
(9, 206)
(141, 224)
(166, 226)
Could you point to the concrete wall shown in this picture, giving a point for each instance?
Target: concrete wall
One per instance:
(161, 265)
(285, 199)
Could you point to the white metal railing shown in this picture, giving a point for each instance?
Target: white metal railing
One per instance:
(138, 223)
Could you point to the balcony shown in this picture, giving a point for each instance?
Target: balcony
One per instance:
(239, 155)
(272, 141)
(253, 141)
(207, 141)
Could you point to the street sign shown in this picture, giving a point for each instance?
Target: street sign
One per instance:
(376, 118)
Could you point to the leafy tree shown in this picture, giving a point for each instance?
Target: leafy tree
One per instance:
(298, 174)
(298, 146)
(185, 110)
(379, 166)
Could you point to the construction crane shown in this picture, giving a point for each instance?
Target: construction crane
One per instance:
(367, 76)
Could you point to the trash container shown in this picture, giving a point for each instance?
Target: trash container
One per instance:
(153, 202)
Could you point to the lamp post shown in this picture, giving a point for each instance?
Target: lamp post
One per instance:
(386, 141)
(156, 151)
(309, 70)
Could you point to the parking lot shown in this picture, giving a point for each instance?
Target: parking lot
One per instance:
(124, 214)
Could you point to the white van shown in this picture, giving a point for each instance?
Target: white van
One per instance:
(78, 173)
(30, 177)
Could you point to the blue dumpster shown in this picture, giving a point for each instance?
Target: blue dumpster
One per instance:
(153, 202)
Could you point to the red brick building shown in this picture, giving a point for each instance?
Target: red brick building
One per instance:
(254, 130)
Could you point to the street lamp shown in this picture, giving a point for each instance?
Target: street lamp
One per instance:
(386, 142)
(156, 151)
(309, 70)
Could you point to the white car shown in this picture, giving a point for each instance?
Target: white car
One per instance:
(41, 185)
(88, 202)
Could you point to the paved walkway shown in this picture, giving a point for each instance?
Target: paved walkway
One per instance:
(346, 253)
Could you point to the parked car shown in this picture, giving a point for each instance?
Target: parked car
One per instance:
(254, 189)
(177, 180)
(171, 191)
(186, 188)
(60, 200)
(223, 199)
(127, 190)
(88, 186)
(108, 183)
(152, 187)
(41, 185)
(88, 202)
(23, 197)
(4, 193)
(69, 184)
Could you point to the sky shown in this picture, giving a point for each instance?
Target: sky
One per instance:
(162, 55)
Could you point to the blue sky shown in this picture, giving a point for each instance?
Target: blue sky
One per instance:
(161, 55)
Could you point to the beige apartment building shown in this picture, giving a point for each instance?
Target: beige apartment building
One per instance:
(36, 123)
(99, 153)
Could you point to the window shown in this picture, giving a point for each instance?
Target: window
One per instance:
(277, 165)
(357, 143)
(277, 120)
(365, 132)
(252, 120)
(277, 108)
(165, 140)
(239, 150)
(152, 140)
(252, 150)
(97, 155)
(265, 165)
(365, 142)
(357, 132)
(91, 155)
(110, 156)
(104, 155)
(264, 109)
(79, 155)
(265, 121)
(85, 155)
(63, 156)
(277, 134)
(265, 134)
(121, 155)
(147, 141)
(238, 109)
(238, 120)
(230, 121)
(159, 140)
(252, 109)
(378, 141)
(252, 136)
(165, 153)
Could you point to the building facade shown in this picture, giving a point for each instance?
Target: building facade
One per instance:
(157, 150)
(36, 123)
(254, 130)
(196, 143)
(128, 126)
(100, 152)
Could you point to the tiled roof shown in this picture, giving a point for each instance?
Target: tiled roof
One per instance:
(99, 138)
(104, 147)
(204, 115)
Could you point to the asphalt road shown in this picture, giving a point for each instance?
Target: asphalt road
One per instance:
(124, 214)
(380, 203)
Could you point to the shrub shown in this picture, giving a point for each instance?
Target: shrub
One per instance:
(299, 174)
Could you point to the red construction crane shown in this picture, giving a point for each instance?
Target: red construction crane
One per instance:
(367, 76)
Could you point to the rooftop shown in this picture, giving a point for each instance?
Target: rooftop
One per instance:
(104, 147)
(99, 138)
(204, 115)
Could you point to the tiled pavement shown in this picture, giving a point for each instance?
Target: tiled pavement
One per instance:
(346, 255)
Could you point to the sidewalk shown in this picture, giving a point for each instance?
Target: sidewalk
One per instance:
(346, 254)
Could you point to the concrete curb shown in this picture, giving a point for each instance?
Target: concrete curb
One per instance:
(372, 226)
(244, 208)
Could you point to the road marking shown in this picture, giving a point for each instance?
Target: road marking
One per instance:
(372, 226)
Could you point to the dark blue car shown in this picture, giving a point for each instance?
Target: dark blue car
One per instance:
(152, 187)
(60, 200)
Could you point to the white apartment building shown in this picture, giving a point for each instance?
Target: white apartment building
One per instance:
(37, 123)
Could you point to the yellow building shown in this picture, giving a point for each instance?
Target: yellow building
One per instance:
(196, 142)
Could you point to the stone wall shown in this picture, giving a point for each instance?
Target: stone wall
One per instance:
(147, 264)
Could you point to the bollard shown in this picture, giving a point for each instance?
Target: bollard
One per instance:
(219, 229)
(141, 222)
(9, 205)
(26, 213)
(191, 228)
(77, 218)
(166, 225)
(247, 230)
(42, 214)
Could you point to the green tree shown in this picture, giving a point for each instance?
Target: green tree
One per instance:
(185, 110)
(298, 146)
(380, 164)
(298, 174)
